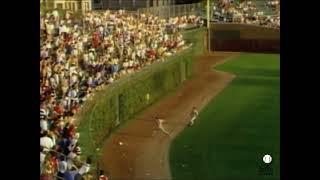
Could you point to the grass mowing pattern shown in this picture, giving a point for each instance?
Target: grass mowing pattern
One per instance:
(233, 132)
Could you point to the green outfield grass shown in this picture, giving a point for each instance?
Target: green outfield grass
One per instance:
(237, 128)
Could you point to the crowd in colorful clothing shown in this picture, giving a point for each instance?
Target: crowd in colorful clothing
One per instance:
(79, 56)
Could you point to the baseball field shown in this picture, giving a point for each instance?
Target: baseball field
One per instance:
(237, 95)
(117, 100)
(236, 129)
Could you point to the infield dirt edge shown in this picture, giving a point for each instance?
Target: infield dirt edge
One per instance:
(147, 156)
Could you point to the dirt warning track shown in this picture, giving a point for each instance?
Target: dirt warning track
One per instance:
(138, 150)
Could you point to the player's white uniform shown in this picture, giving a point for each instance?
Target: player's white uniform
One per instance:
(160, 126)
(194, 115)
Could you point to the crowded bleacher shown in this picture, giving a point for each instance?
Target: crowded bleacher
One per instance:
(82, 55)
(79, 56)
(247, 12)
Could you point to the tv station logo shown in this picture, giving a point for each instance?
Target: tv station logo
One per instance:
(267, 159)
(265, 166)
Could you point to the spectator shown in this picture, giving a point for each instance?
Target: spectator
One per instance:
(78, 177)
(102, 176)
(45, 141)
(85, 167)
(47, 173)
(245, 12)
(70, 174)
(77, 59)
(42, 158)
(43, 124)
(62, 167)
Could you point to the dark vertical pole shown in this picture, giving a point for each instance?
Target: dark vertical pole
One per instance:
(208, 25)
(119, 117)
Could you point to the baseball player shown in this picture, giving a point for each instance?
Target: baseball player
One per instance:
(160, 125)
(194, 114)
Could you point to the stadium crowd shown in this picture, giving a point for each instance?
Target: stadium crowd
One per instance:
(247, 12)
(79, 56)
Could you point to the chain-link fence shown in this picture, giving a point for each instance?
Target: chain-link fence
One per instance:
(66, 5)
(164, 11)
(172, 10)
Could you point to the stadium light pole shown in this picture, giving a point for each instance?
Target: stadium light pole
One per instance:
(101, 4)
(208, 24)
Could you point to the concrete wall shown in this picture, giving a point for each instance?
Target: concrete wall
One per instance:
(125, 4)
(244, 38)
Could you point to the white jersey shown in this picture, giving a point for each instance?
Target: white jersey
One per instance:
(160, 126)
(160, 123)
(194, 113)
